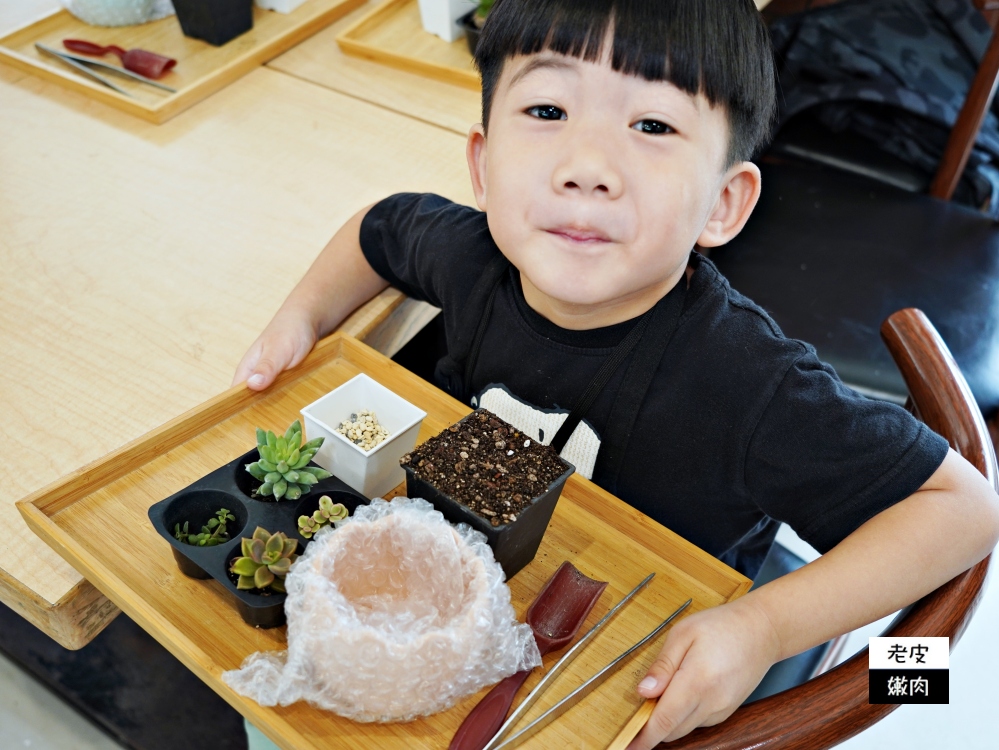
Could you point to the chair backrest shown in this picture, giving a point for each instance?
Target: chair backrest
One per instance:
(833, 707)
(976, 104)
(969, 120)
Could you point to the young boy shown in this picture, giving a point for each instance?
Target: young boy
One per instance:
(614, 139)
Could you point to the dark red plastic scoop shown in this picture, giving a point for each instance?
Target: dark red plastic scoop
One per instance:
(147, 64)
(555, 617)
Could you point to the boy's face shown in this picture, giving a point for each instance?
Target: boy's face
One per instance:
(597, 185)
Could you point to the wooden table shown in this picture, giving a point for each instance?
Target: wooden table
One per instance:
(320, 60)
(140, 262)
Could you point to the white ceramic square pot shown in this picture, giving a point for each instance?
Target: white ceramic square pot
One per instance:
(281, 6)
(374, 472)
(440, 17)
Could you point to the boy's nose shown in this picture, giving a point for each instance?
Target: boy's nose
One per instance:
(588, 170)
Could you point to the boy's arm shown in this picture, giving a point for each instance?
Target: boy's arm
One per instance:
(338, 282)
(712, 660)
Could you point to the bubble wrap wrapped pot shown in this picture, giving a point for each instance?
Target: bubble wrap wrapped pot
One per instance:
(118, 12)
(395, 614)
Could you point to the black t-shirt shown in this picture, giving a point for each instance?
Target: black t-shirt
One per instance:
(742, 428)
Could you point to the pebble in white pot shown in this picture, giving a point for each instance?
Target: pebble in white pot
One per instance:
(440, 17)
(371, 472)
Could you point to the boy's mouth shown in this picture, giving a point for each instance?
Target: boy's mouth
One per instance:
(578, 234)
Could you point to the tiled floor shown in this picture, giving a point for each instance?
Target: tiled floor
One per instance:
(31, 717)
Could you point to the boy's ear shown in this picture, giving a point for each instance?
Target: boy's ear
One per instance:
(475, 152)
(738, 196)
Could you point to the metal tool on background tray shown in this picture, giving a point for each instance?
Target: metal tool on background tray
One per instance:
(143, 62)
(80, 64)
(566, 703)
(555, 616)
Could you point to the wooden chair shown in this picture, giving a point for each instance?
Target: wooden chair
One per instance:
(830, 253)
(833, 707)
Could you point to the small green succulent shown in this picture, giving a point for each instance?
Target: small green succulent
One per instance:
(266, 560)
(484, 7)
(212, 533)
(283, 463)
(328, 513)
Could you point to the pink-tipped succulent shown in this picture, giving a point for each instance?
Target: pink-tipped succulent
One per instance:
(328, 513)
(266, 560)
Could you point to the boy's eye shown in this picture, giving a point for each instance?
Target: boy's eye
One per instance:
(653, 127)
(546, 112)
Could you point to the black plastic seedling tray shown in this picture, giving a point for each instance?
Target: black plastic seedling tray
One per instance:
(230, 487)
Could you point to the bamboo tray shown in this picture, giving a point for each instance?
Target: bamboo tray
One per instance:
(392, 34)
(201, 68)
(96, 519)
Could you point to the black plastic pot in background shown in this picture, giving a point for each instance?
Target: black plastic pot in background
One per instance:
(472, 31)
(231, 487)
(215, 21)
(513, 544)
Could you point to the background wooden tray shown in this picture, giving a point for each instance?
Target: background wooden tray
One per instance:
(201, 68)
(392, 34)
(96, 518)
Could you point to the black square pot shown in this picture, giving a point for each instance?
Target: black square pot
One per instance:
(215, 21)
(514, 544)
(472, 32)
(231, 487)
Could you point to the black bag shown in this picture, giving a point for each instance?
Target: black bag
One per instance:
(895, 72)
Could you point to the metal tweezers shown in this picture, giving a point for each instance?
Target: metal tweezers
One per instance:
(568, 701)
(79, 64)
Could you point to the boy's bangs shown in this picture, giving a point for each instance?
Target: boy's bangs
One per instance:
(644, 42)
(718, 48)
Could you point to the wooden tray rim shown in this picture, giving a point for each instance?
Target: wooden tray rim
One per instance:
(39, 508)
(48, 501)
(351, 41)
(173, 104)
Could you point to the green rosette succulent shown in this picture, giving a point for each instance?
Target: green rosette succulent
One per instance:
(282, 466)
(266, 560)
(328, 513)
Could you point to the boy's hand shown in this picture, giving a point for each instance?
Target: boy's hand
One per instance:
(283, 344)
(710, 662)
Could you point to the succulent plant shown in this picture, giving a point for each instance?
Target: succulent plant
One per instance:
(212, 533)
(283, 464)
(484, 7)
(266, 560)
(328, 513)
